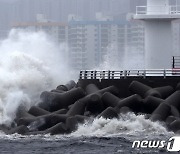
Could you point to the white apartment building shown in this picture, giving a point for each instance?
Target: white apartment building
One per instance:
(58, 31)
(81, 43)
(90, 41)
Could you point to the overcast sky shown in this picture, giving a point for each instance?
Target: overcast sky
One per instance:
(13, 11)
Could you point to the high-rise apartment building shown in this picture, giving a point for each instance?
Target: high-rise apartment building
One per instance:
(90, 41)
(58, 31)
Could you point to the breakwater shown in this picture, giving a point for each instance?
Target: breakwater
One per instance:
(63, 108)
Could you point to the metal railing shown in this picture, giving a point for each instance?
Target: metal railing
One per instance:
(176, 62)
(172, 9)
(90, 74)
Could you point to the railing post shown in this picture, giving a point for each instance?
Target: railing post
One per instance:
(173, 62)
(109, 74)
(104, 74)
(125, 74)
(164, 73)
(95, 74)
(112, 74)
(144, 76)
(121, 73)
(85, 74)
(80, 75)
(92, 74)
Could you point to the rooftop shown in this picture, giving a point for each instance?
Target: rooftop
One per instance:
(38, 24)
(157, 12)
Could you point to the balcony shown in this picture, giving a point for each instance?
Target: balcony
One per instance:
(158, 10)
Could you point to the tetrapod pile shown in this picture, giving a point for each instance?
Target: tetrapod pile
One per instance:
(63, 108)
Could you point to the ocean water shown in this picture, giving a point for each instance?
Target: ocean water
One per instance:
(31, 63)
(92, 145)
(94, 136)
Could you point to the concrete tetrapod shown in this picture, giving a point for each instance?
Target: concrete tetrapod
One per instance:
(57, 91)
(174, 99)
(56, 101)
(125, 110)
(178, 86)
(134, 102)
(43, 122)
(90, 103)
(37, 111)
(61, 111)
(175, 125)
(22, 113)
(94, 105)
(110, 100)
(161, 112)
(72, 122)
(111, 89)
(165, 91)
(151, 103)
(91, 88)
(27, 120)
(47, 121)
(143, 90)
(20, 130)
(59, 128)
(68, 86)
(174, 111)
(78, 108)
(170, 119)
(109, 113)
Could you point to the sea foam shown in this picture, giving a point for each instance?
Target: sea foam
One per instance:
(29, 64)
(127, 125)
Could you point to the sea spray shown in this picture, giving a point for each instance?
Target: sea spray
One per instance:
(112, 60)
(127, 125)
(115, 59)
(29, 64)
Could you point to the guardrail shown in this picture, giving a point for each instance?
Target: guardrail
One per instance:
(176, 62)
(172, 9)
(93, 74)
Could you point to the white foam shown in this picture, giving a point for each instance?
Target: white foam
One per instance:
(29, 64)
(128, 124)
(114, 59)
(111, 60)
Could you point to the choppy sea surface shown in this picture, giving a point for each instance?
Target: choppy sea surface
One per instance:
(97, 136)
(27, 70)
